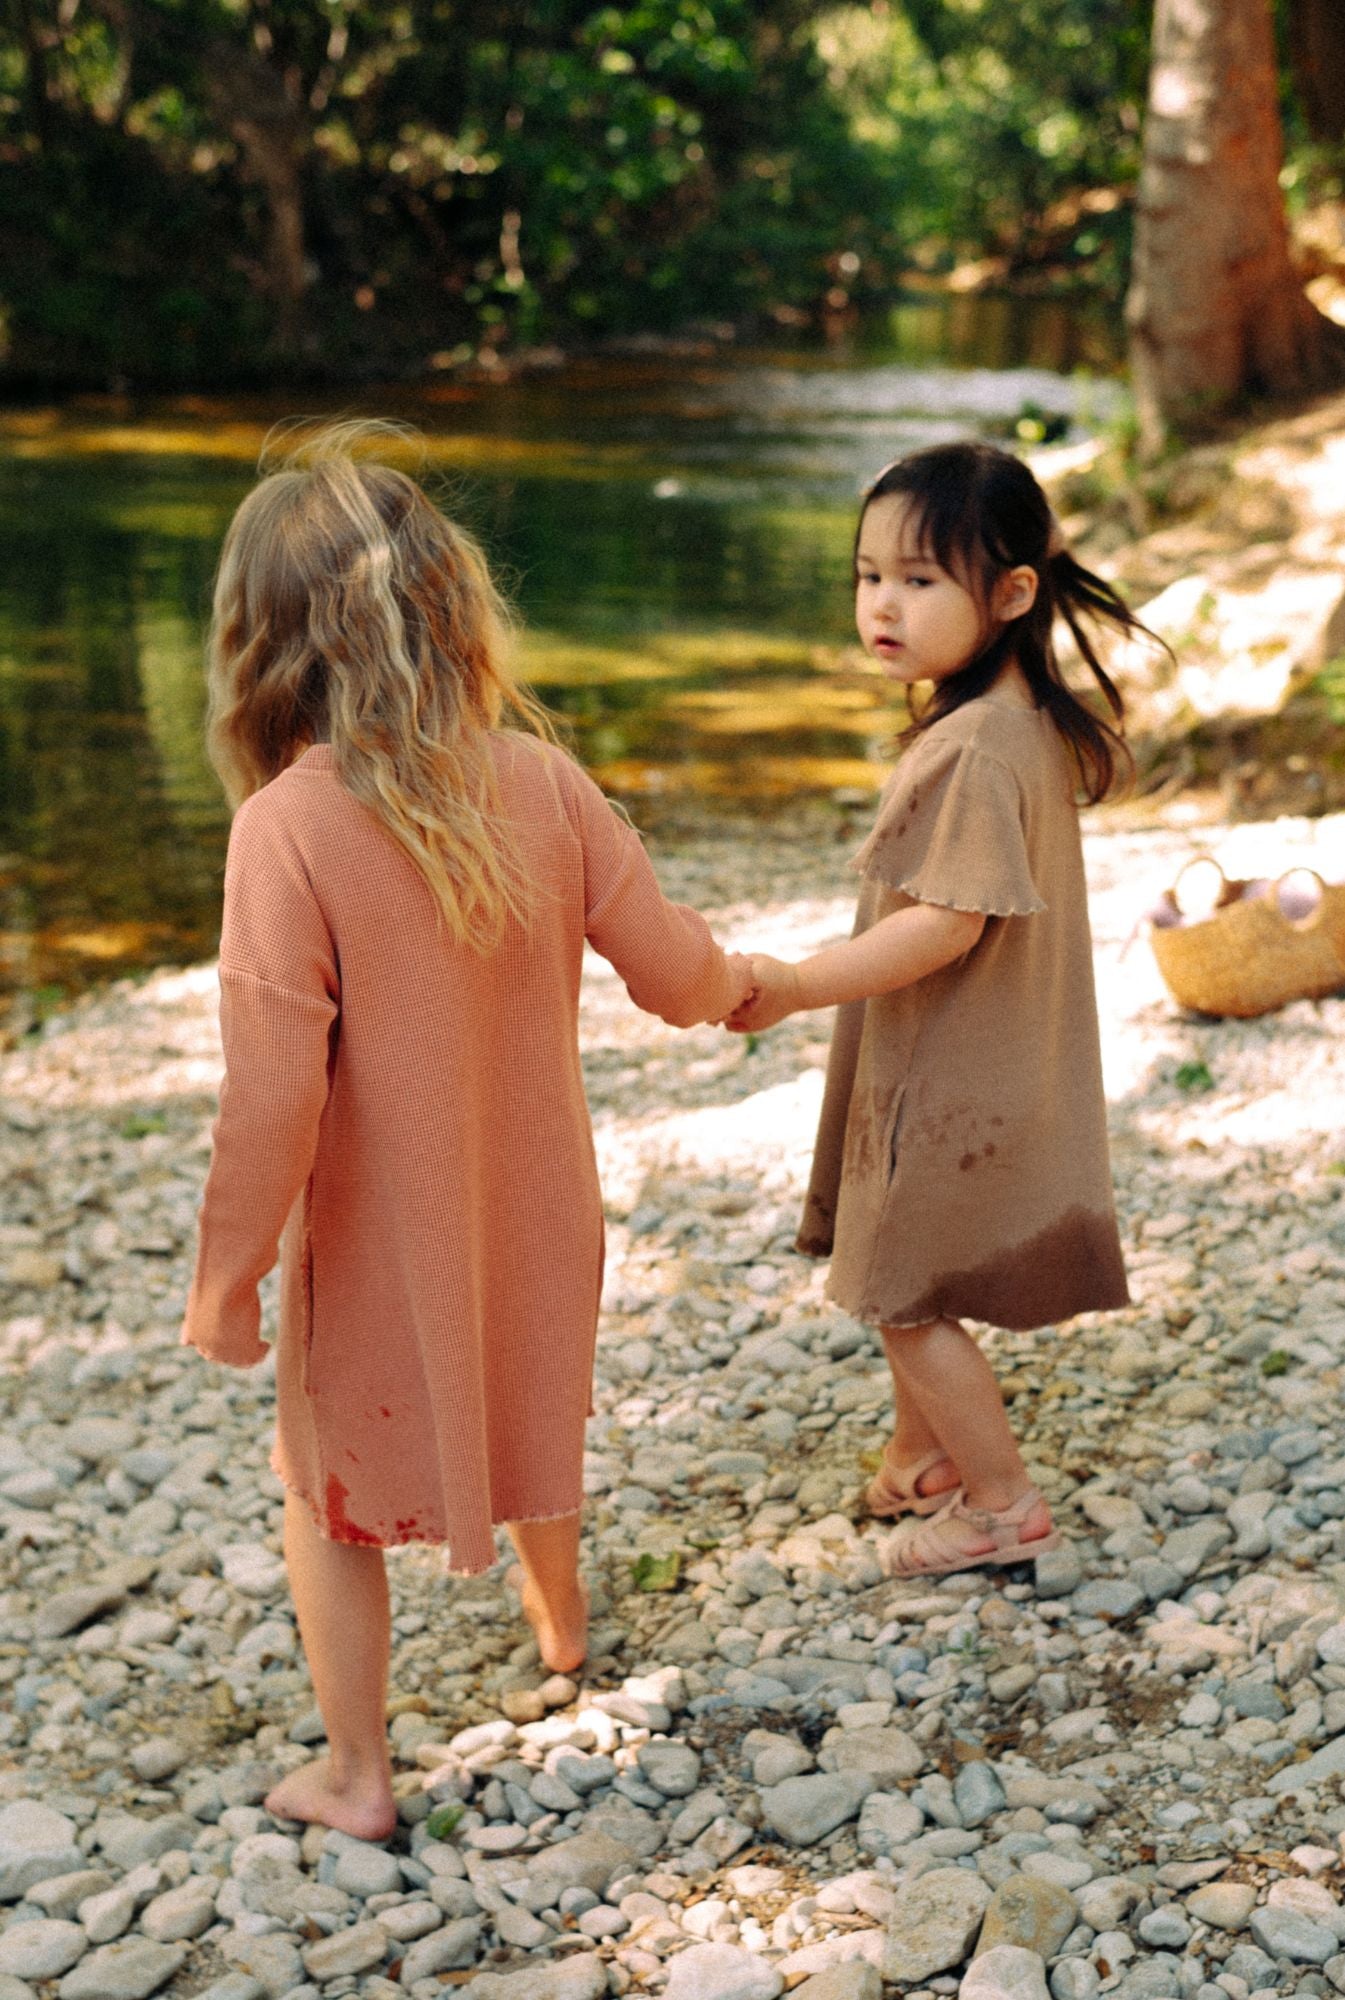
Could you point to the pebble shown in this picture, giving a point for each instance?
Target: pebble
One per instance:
(447, 1949)
(35, 1842)
(41, 1949)
(803, 1810)
(131, 1969)
(1288, 1934)
(1006, 1972)
(1030, 1914)
(721, 1972)
(934, 1924)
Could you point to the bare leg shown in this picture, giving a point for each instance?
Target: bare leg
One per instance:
(958, 1397)
(554, 1601)
(341, 1596)
(912, 1438)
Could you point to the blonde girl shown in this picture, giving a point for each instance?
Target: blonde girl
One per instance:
(961, 1167)
(413, 870)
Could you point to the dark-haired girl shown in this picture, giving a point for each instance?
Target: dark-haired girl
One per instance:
(961, 1167)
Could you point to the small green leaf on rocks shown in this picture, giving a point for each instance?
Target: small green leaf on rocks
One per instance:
(444, 1819)
(1194, 1076)
(751, 1043)
(651, 1572)
(1275, 1363)
(140, 1125)
(1337, 1169)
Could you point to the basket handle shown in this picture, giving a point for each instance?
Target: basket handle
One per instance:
(1315, 915)
(1197, 861)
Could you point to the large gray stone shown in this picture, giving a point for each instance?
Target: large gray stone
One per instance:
(856, 1980)
(273, 1960)
(803, 1810)
(1287, 1934)
(722, 1972)
(356, 1950)
(42, 1949)
(1187, 1548)
(130, 1969)
(887, 1821)
(35, 1843)
(1030, 1914)
(589, 1861)
(365, 1870)
(934, 1925)
(180, 1913)
(447, 1949)
(977, 1793)
(889, 1756)
(582, 1978)
(671, 1768)
(1225, 1906)
(1008, 1972)
(1328, 1762)
(127, 1841)
(68, 1610)
(61, 1895)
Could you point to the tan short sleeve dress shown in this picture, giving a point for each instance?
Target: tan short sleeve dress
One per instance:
(961, 1167)
(410, 1115)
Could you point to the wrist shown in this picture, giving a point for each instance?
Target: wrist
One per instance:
(795, 993)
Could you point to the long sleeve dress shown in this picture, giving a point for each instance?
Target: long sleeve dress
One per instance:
(961, 1167)
(409, 1116)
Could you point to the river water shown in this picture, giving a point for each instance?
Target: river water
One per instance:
(674, 529)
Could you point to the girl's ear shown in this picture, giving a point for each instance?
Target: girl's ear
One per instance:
(1015, 593)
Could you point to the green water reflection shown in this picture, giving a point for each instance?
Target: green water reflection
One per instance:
(676, 536)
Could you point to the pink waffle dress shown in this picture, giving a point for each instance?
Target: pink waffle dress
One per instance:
(409, 1116)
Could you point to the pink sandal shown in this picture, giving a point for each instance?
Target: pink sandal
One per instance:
(939, 1546)
(895, 1489)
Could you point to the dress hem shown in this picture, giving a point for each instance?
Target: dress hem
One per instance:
(359, 1539)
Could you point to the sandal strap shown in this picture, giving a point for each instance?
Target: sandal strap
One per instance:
(926, 1544)
(902, 1482)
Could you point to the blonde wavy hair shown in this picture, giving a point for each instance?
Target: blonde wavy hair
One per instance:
(349, 610)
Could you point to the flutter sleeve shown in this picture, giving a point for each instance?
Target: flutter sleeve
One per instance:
(279, 997)
(951, 831)
(663, 951)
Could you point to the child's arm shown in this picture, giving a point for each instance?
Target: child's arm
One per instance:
(279, 996)
(664, 951)
(908, 945)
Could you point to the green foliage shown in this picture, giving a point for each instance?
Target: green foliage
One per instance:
(140, 1125)
(202, 191)
(1193, 1076)
(1275, 1363)
(193, 188)
(443, 1820)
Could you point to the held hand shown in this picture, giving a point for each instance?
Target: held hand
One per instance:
(741, 967)
(776, 996)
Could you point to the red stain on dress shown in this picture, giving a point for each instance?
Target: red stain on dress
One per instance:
(340, 1527)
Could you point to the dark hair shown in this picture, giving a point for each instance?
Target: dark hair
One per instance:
(978, 512)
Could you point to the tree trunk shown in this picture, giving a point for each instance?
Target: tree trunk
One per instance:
(1317, 40)
(1216, 310)
(251, 100)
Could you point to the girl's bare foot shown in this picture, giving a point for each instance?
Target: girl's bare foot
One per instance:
(561, 1635)
(363, 1807)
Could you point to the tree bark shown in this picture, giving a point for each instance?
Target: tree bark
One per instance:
(1317, 42)
(251, 101)
(1216, 310)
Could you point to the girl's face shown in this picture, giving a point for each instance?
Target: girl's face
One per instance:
(916, 619)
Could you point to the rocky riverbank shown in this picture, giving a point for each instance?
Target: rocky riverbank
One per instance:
(778, 1771)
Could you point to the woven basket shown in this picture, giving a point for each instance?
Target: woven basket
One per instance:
(1262, 945)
